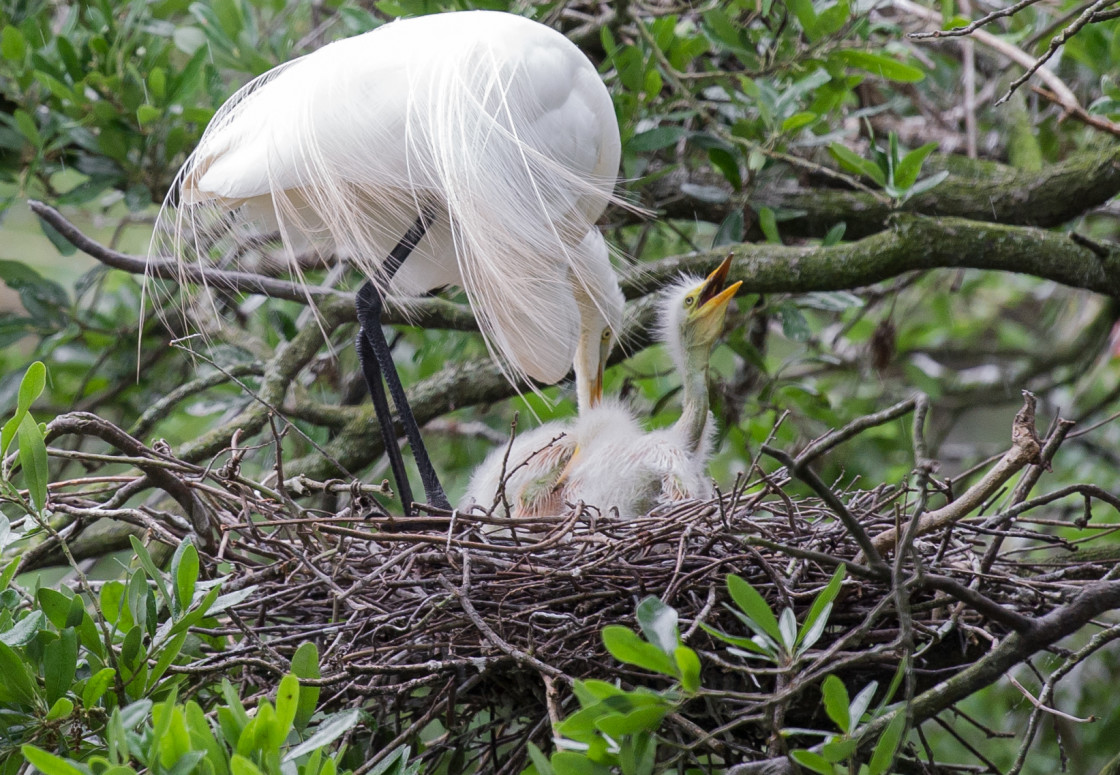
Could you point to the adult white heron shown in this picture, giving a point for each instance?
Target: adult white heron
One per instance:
(480, 146)
(603, 458)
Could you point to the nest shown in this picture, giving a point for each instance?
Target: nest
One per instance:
(481, 623)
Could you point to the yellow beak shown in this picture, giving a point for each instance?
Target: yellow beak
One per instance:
(714, 297)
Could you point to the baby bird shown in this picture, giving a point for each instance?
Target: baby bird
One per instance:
(633, 475)
(603, 458)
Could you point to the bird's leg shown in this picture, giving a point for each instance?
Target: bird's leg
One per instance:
(369, 304)
(372, 373)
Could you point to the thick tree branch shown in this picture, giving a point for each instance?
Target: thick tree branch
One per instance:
(912, 243)
(977, 190)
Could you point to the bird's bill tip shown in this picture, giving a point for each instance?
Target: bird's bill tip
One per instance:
(721, 299)
(714, 283)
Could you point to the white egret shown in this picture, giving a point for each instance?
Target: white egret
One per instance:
(486, 139)
(604, 459)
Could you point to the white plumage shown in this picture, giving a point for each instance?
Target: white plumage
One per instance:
(498, 125)
(603, 458)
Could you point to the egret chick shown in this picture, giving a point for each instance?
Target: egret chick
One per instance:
(530, 475)
(632, 475)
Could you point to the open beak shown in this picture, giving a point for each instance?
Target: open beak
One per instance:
(714, 297)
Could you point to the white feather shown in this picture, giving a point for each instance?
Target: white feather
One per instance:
(497, 124)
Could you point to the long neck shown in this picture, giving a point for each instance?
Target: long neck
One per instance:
(694, 392)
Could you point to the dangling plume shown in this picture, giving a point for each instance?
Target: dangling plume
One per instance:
(497, 125)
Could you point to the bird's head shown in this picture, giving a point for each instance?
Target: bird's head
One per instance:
(694, 310)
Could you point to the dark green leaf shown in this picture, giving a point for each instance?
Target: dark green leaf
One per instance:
(655, 139)
(60, 663)
(24, 630)
(910, 166)
(17, 682)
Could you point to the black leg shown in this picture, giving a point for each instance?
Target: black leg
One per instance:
(372, 373)
(371, 342)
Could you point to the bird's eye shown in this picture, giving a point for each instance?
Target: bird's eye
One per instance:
(689, 301)
(606, 335)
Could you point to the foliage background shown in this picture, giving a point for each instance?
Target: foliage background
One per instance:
(728, 112)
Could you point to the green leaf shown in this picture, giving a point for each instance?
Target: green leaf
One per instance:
(839, 749)
(35, 378)
(62, 708)
(60, 663)
(539, 761)
(814, 762)
(728, 165)
(860, 703)
(853, 162)
(754, 606)
(836, 702)
(48, 763)
(12, 44)
(96, 686)
(146, 114)
(9, 572)
(906, 174)
(817, 617)
(787, 625)
(167, 654)
(149, 566)
(625, 646)
(239, 765)
(327, 732)
(688, 665)
(646, 719)
(33, 460)
(885, 749)
(17, 682)
(794, 325)
(769, 225)
(834, 235)
(730, 230)
(799, 120)
(24, 630)
(659, 624)
(655, 139)
(305, 664)
(55, 604)
(572, 763)
(881, 65)
(287, 702)
(184, 570)
(27, 127)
